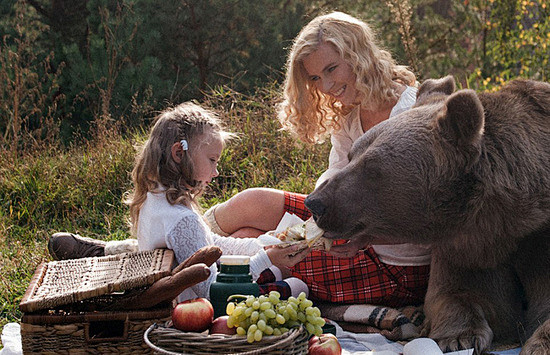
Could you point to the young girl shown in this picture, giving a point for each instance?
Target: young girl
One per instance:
(338, 81)
(176, 163)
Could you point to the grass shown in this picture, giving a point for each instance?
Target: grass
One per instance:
(80, 188)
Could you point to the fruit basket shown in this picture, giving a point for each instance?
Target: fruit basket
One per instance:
(164, 339)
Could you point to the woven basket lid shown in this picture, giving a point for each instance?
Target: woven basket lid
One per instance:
(58, 283)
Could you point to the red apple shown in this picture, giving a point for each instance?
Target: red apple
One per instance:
(193, 315)
(324, 344)
(219, 326)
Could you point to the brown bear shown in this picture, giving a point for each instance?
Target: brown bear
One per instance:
(468, 174)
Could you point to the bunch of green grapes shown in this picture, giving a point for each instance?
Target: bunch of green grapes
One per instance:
(269, 315)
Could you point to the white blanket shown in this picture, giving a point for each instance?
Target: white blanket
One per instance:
(376, 344)
(352, 343)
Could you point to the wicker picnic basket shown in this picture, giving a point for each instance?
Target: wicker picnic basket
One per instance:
(71, 306)
(89, 332)
(164, 339)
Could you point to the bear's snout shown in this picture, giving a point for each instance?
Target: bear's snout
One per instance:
(316, 207)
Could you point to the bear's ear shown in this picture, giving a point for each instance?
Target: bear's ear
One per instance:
(444, 86)
(464, 119)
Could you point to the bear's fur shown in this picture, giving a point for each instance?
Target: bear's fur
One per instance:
(468, 174)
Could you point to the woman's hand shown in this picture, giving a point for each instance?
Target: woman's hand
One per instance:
(348, 249)
(288, 256)
(351, 247)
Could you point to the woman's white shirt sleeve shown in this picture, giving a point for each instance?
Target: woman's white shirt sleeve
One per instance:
(338, 157)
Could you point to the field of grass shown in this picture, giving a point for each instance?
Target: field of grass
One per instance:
(80, 188)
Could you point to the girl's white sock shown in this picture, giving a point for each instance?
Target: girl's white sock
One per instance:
(121, 246)
(211, 221)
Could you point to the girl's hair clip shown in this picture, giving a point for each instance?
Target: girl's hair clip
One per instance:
(184, 144)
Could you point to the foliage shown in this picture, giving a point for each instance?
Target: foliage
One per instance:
(125, 58)
(403, 15)
(29, 85)
(110, 75)
(89, 61)
(516, 43)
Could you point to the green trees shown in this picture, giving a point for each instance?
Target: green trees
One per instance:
(29, 84)
(71, 66)
(516, 42)
(116, 60)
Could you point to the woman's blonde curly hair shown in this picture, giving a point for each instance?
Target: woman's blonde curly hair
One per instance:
(154, 166)
(311, 114)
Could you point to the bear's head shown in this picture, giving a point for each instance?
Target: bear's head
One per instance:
(409, 178)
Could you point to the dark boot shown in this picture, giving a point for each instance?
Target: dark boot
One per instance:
(63, 246)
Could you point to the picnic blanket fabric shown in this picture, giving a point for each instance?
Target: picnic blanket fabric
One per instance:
(394, 324)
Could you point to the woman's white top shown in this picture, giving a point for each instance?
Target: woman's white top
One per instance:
(177, 227)
(342, 140)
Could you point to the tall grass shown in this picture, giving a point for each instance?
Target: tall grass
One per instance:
(80, 188)
(263, 155)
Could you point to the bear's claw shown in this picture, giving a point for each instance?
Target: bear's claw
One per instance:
(465, 341)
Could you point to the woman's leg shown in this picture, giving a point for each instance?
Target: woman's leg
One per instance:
(249, 213)
(362, 279)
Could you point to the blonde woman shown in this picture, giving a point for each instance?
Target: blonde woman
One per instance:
(338, 82)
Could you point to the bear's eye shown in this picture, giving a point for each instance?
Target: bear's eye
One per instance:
(373, 174)
(372, 168)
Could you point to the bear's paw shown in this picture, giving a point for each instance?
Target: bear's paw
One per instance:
(457, 326)
(539, 342)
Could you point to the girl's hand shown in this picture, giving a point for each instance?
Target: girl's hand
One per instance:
(286, 257)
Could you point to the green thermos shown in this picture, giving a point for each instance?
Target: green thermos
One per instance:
(234, 278)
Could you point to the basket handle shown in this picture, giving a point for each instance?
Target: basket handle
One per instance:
(278, 345)
(153, 346)
(265, 350)
(106, 330)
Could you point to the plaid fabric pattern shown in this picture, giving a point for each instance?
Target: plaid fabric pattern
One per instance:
(393, 323)
(357, 280)
(267, 283)
(294, 203)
